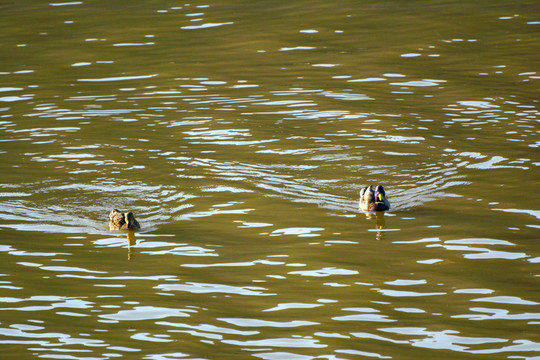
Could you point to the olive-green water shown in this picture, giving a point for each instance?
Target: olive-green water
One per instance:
(240, 133)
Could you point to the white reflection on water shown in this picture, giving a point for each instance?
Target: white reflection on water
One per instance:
(286, 306)
(281, 355)
(364, 317)
(364, 335)
(403, 282)
(330, 271)
(118, 78)
(166, 356)
(520, 345)
(401, 293)
(12, 251)
(266, 323)
(493, 313)
(300, 232)
(534, 213)
(208, 328)
(445, 339)
(205, 26)
(472, 252)
(296, 342)
(180, 250)
(474, 291)
(297, 48)
(152, 338)
(120, 277)
(234, 264)
(419, 83)
(506, 300)
(148, 313)
(48, 338)
(56, 302)
(205, 288)
(363, 353)
(410, 310)
(67, 269)
(482, 253)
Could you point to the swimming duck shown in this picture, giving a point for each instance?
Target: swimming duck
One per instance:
(373, 200)
(367, 199)
(120, 221)
(381, 202)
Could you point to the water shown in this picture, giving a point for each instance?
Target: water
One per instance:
(240, 134)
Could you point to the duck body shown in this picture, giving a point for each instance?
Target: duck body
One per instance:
(123, 221)
(367, 199)
(373, 199)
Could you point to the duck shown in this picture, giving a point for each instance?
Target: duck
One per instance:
(373, 199)
(367, 198)
(381, 202)
(122, 221)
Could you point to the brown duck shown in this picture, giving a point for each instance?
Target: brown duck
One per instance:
(120, 221)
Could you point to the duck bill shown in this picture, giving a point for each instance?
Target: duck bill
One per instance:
(381, 197)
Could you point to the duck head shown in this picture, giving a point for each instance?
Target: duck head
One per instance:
(380, 194)
(130, 221)
(366, 198)
(367, 193)
(114, 213)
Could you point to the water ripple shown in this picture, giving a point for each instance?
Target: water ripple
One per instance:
(265, 323)
(147, 313)
(205, 288)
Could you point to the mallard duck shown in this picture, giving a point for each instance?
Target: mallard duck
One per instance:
(381, 202)
(367, 199)
(373, 200)
(120, 221)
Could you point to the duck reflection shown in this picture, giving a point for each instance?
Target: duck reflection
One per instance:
(132, 240)
(380, 223)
